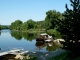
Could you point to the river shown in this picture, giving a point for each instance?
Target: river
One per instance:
(14, 39)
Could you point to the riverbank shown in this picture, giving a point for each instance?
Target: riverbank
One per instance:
(64, 56)
(31, 30)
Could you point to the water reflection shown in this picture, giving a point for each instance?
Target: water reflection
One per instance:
(16, 34)
(28, 43)
(0, 33)
(53, 46)
(29, 36)
(50, 46)
(25, 40)
(40, 44)
(19, 35)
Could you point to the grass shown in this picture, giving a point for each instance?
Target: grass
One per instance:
(34, 30)
(64, 56)
(54, 33)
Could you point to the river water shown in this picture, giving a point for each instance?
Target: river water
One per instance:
(15, 39)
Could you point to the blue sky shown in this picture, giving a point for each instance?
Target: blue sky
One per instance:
(11, 10)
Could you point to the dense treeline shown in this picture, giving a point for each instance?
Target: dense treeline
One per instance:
(29, 24)
(52, 16)
(4, 27)
(0, 27)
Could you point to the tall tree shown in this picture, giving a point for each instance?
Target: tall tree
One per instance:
(30, 24)
(70, 28)
(52, 16)
(16, 25)
(40, 24)
(24, 26)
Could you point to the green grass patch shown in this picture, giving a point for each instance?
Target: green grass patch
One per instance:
(54, 33)
(62, 56)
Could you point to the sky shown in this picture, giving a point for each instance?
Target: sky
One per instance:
(11, 10)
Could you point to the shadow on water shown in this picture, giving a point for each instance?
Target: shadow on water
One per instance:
(16, 34)
(50, 46)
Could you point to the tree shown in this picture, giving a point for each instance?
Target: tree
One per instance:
(70, 28)
(52, 16)
(30, 24)
(4, 26)
(16, 25)
(24, 26)
(0, 27)
(40, 24)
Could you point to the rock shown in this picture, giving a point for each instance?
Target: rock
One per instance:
(18, 56)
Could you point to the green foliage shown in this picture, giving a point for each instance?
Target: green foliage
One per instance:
(4, 27)
(16, 25)
(70, 28)
(40, 24)
(52, 16)
(54, 33)
(62, 56)
(0, 27)
(30, 24)
(24, 26)
(70, 25)
(54, 47)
